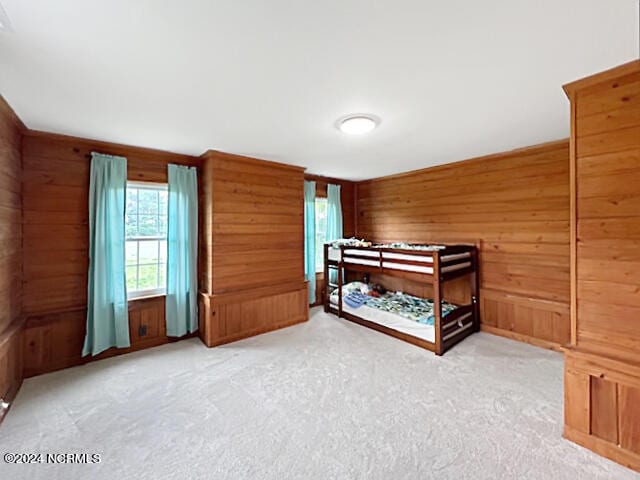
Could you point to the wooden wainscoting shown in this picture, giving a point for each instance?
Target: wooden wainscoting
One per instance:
(54, 341)
(602, 406)
(544, 323)
(11, 129)
(11, 361)
(515, 205)
(229, 317)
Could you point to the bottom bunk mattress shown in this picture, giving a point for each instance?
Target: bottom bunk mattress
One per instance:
(408, 319)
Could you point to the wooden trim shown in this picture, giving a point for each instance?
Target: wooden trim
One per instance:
(601, 447)
(11, 330)
(532, 302)
(573, 223)
(11, 113)
(266, 291)
(111, 147)
(255, 161)
(437, 303)
(594, 364)
(253, 333)
(531, 150)
(611, 74)
(68, 362)
(536, 342)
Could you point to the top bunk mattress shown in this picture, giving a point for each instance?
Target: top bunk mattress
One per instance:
(376, 256)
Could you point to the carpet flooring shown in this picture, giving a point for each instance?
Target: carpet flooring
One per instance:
(327, 399)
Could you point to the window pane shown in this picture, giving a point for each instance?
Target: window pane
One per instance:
(148, 252)
(131, 225)
(148, 276)
(131, 254)
(162, 275)
(131, 278)
(162, 225)
(164, 202)
(148, 226)
(147, 201)
(146, 216)
(132, 200)
(163, 251)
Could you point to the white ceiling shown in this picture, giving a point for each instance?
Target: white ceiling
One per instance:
(450, 79)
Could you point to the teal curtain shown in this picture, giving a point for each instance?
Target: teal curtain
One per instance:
(334, 221)
(107, 310)
(310, 237)
(182, 254)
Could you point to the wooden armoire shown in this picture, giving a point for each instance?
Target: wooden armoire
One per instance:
(602, 364)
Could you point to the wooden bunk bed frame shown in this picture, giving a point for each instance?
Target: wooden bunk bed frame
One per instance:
(448, 263)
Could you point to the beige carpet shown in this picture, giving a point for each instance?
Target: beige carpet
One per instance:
(326, 399)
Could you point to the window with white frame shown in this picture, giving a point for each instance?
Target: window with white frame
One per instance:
(146, 238)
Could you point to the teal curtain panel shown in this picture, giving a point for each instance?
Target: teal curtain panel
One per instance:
(310, 237)
(107, 312)
(182, 254)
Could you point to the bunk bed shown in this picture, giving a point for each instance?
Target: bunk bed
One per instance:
(432, 265)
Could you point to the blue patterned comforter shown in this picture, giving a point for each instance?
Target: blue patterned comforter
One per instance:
(413, 308)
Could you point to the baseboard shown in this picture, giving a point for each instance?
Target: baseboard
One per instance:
(606, 449)
(260, 331)
(521, 338)
(11, 371)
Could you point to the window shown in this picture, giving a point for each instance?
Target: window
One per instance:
(146, 237)
(321, 232)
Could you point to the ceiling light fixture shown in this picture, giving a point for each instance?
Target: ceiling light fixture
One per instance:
(357, 124)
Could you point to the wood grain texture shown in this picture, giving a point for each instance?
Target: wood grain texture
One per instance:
(604, 409)
(607, 177)
(601, 405)
(53, 341)
(252, 247)
(515, 205)
(11, 130)
(577, 400)
(55, 243)
(605, 174)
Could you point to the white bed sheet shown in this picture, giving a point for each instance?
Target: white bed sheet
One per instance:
(389, 320)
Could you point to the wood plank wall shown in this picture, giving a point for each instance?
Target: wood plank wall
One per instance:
(607, 130)
(348, 201)
(55, 197)
(252, 248)
(515, 206)
(602, 367)
(11, 129)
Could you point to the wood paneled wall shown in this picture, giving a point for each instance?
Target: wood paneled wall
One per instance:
(607, 213)
(602, 371)
(515, 206)
(11, 129)
(253, 243)
(348, 201)
(55, 225)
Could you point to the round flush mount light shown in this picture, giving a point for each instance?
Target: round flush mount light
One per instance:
(357, 124)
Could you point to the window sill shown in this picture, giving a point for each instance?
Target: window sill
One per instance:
(148, 296)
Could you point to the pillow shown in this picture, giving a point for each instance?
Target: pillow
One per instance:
(353, 287)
